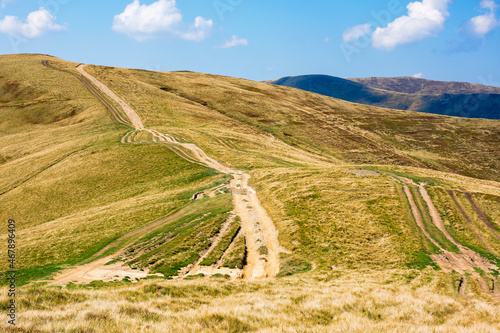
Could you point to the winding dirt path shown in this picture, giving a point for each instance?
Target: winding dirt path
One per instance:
(263, 247)
(131, 114)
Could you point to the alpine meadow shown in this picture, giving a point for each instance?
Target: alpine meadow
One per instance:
(150, 201)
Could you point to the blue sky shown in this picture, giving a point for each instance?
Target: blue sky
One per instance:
(435, 39)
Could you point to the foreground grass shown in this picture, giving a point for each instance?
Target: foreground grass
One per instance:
(327, 301)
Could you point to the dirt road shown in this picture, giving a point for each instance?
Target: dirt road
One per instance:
(262, 243)
(131, 114)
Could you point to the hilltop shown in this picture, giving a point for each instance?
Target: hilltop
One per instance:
(446, 98)
(188, 201)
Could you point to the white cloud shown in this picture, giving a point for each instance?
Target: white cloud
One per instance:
(356, 32)
(37, 24)
(235, 41)
(425, 19)
(199, 31)
(327, 40)
(143, 22)
(481, 25)
(418, 75)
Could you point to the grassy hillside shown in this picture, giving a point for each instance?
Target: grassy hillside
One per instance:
(331, 130)
(67, 180)
(444, 98)
(343, 183)
(339, 132)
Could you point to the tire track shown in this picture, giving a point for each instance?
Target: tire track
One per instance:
(97, 269)
(461, 287)
(481, 214)
(131, 114)
(195, 268)
(37, 173)
(436, 217)
(467, 261)
(115, 114)
(469, 223)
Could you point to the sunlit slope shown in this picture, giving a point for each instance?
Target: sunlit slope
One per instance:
(82, 187)
(66, 178)
(327, 216)
(331, 217)
(77, 181)
(206, 105)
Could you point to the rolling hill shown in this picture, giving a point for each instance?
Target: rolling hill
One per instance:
(192, 202)
(445, 98)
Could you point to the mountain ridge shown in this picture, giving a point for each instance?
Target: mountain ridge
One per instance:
(412, 85)
(436, 97)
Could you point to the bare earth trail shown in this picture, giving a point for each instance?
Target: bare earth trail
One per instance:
(98, 270)
(262, 243)
(131, 114)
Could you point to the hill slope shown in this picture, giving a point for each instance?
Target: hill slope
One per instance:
(445, 98)
(352, 191)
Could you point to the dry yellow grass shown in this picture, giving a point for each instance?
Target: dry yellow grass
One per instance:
(335, 301)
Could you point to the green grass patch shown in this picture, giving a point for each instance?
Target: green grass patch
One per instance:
(236, 257)
(188, 236)
(226, 240)
(291, 265)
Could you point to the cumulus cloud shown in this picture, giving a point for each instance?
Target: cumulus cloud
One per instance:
(481, 25)
(37, 24)
(418, 75)
(143, 22)
(235, 41)
(474, 31)
(356, 32)
(425, 19)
